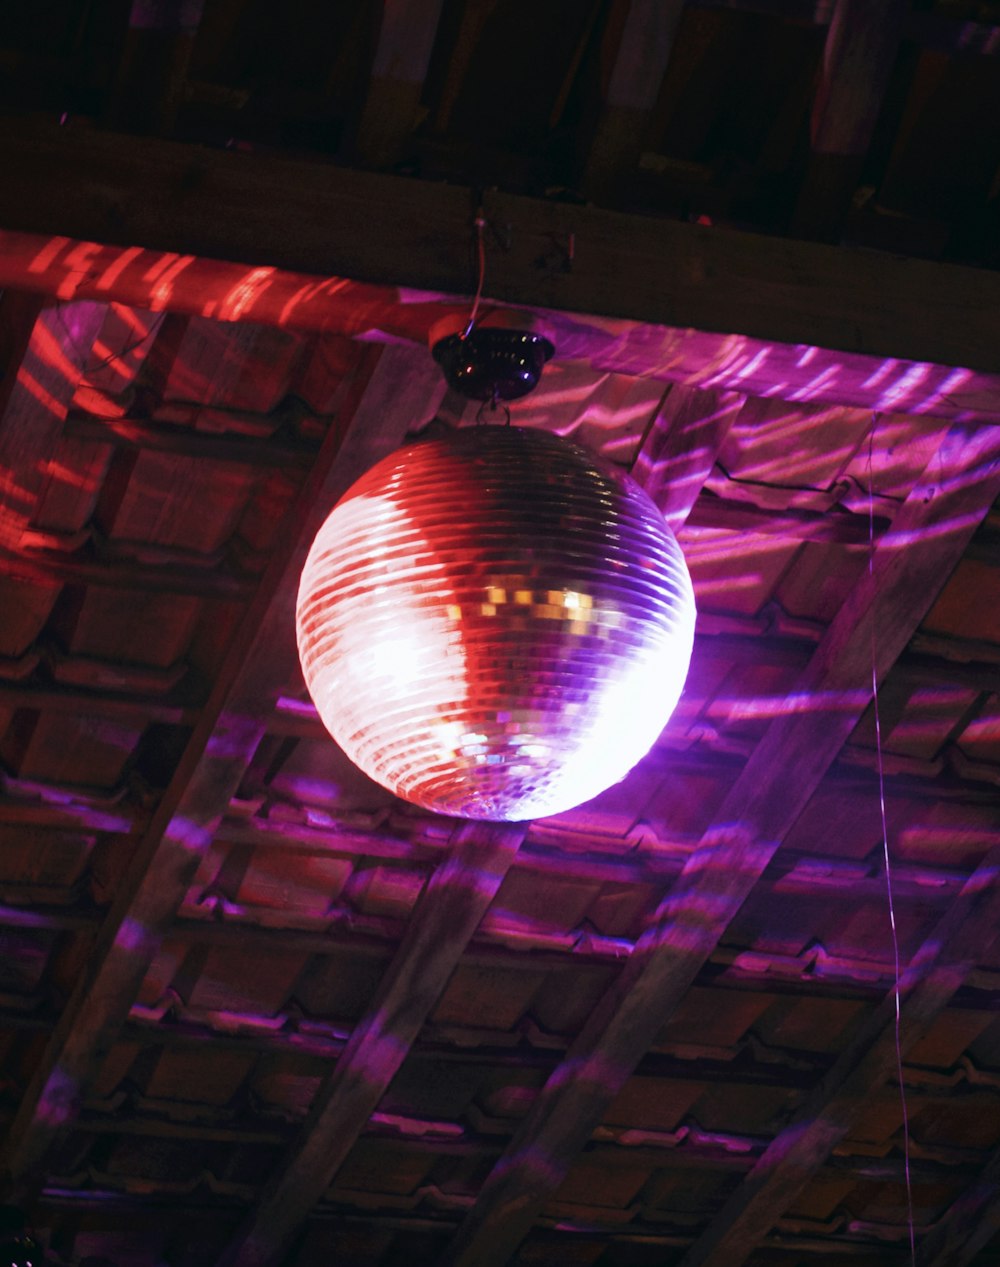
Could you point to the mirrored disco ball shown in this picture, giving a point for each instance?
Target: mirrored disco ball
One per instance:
(494, 624)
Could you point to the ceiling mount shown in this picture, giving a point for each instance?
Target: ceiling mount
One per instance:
(492, 363)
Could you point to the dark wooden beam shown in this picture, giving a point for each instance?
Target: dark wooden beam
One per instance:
(927, 28)
(153, 67)
(970, 1224)
(475, 16)
(49, 351)
(956, 35)
(260, 660)
(87, 567)
(910, 565)
(645, 40)
(448, 912)
(161, 437)
(186, 284)
(55, 698)
(286, 213)
(959, 940)
(861, 46)
(402, 56)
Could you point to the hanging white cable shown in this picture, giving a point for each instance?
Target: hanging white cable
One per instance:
(480, 225)
(888, 865)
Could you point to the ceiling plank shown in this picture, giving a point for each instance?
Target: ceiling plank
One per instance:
(162, 280)
(104, 567)
(909, 567)
(959, 939)
(402, 56)
(277, 212)
(130, 431)
(154, 63)
(858, 57)
(259, 662)
(646, 40)
(447, 914)
(680, 447)
(969, 1225)
(475, 18)
(51, 349)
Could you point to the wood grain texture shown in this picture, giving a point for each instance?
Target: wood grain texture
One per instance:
(34, 401)
(152, 72)
(858, 57)
(284, 213)
(448, 912)
(970, 1224)
(959, 939)
(195, 286)
(402, 55)
(910, 565)
(679, 450)
(260, 660)
(645, 42)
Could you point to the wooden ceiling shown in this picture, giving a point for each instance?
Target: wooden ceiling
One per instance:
(254, 1010)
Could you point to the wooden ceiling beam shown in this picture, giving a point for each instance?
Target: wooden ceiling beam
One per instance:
(259, 662)
(879, 617)
(185, 284)
(119, 572)
(164, 437)
(286, 213)
(645, 40)
(49, 350)
(960, 938)
(860, 51)
(476, 15)
(924, 27)
(171, 709)
(145, 279)
(154, 62)
(402, 56)
(970, 1224)
(448, 912)
(681, 445)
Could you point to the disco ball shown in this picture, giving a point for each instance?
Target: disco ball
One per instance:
(494, 624)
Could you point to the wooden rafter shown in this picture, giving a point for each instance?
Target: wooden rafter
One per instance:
(284, 213)
(449, 910)
(970, 1224)
(259, 662)
(645, 42)
(679, 450)
(168, 576)
(154, 63)
(186, 284)
(927, 539)
(861, 46)
(937, 970)
(52, 348)
(475, 17)
(406, 38)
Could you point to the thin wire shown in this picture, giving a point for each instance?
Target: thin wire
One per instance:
(888, 866)
(480, 225)
(840, 483)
